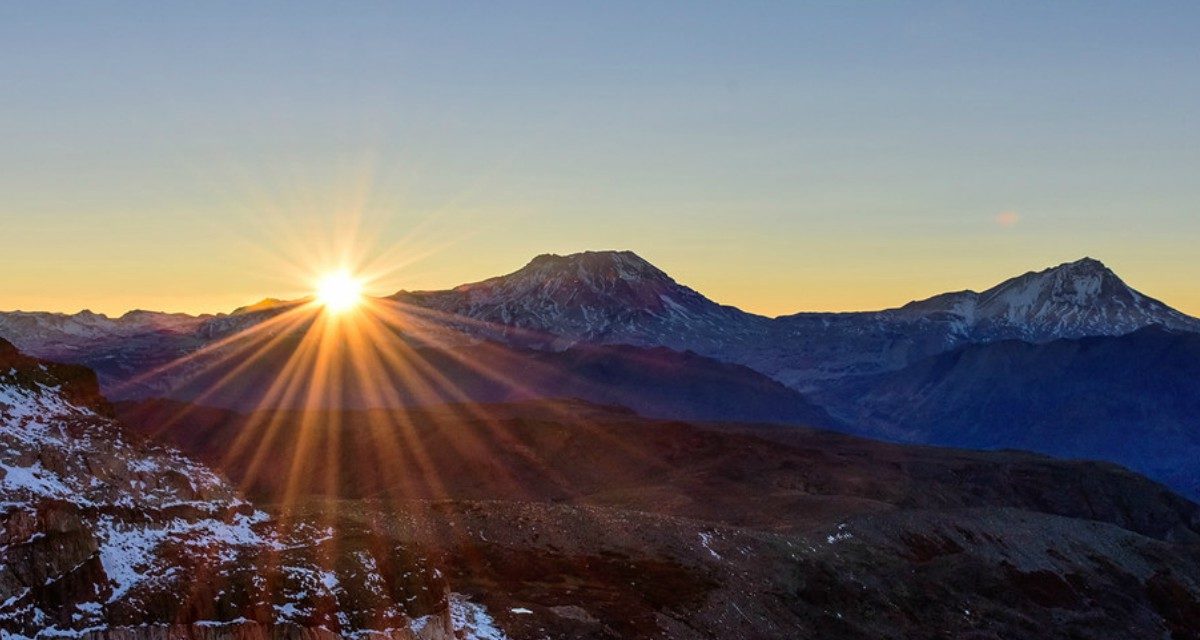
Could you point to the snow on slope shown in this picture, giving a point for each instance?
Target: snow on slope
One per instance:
(604, 296)
(1072, 300)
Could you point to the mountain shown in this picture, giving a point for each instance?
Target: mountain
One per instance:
(243, 318)
(200, 361)
(106, 535)
(84, 335)
(116, 348)
(68, 331)
(1073, 300)
(617, 298)
(572, 520)
(1076, 299)
(737, 473)
(602, 297)
(1132, 399)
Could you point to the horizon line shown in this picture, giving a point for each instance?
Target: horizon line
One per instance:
(298, 299)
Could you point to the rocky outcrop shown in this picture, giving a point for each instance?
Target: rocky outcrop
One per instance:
(75, 384)
(104, 535)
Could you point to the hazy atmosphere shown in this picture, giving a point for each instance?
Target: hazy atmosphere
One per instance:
(776, 156)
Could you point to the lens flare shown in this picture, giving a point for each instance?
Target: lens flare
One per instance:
(348, 395)
(339, 291)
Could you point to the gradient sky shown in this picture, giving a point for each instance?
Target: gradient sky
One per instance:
(777, 156)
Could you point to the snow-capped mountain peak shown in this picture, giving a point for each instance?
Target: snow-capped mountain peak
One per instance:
(625, 265)
(1073, 299)
(1070, 300)
(607, 296)
(1081, 283)
(612, 276)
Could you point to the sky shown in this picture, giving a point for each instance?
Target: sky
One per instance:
(776, 156)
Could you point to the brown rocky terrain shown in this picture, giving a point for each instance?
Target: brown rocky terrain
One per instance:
(570, 520)
(565, 571)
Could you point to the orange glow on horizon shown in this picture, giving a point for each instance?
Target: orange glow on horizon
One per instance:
(300, 370)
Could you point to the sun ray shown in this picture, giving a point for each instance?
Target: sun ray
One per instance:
(348, 394)
(484, 368)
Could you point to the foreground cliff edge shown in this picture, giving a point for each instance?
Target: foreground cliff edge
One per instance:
(103, 535)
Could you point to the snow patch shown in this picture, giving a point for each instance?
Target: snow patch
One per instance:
(471, 621)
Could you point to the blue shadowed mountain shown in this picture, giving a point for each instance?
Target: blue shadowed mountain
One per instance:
(1131, 399)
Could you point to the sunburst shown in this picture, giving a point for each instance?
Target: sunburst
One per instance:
(340, 356)
(339, 291)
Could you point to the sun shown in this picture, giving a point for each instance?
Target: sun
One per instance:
(339, 291)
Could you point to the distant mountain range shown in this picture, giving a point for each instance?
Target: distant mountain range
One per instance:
(616, 297)
(1019, 364)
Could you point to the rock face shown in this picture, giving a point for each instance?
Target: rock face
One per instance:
(104, 535)
(74, 384)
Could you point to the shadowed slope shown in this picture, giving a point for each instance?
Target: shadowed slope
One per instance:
(776, 477)
(655, 382)
(1132, 399)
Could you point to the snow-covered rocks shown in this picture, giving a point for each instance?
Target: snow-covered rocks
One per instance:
(102, 534)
